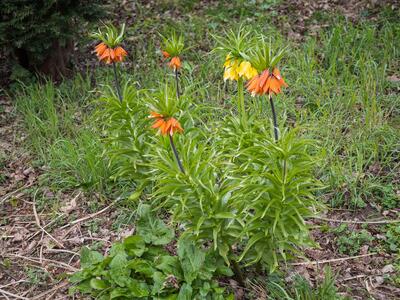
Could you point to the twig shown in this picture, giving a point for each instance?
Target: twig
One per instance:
(12, 295)
(53, 290)
(14, 192)
(40, 226)
(357, 222)
(87, 217)
(5, 296)
(354, 277)
(331, 260)
(35, 260)
(45, 226)
(62, 251)
(6, 237)
(12, 283)
(41, 252)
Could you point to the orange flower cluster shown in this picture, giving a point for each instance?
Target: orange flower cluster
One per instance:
(266, 83)
(175, 62)
(169, 126)
(109, 55)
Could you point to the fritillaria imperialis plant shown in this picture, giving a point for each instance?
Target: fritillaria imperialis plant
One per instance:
(277, 191)
(200, 202)
(236, 192)
(269, 81)
(125, 133)
(172, 49)
(237, 67)
(110, 50)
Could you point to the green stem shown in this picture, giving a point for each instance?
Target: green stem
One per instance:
(236, 269)
(238, 273)
(241, 107)
(274, 118)
(117, 82)
(171, 140)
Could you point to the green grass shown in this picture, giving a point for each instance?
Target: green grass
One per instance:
(63, 136)
(78, 163)
(275, 288)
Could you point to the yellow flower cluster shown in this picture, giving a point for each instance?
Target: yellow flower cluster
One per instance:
(234, 70)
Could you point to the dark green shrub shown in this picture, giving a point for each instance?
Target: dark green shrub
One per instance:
(39, 34)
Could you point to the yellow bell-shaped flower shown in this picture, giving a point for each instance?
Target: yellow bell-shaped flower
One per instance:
(246, 70)
(231, 69)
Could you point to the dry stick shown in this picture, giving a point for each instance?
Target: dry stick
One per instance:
(13, 283)
(14, 192)
(40, 226)
(6, 236)
(53, 221)
(5, 296)
(45, 226)
(41, 252)
(12, 295)
(55, 263)
(53, 290)
(171, 140)
(62, 251)
(354, 277)
(87, 217)
(274, 117)
(26, 292)
(331, 260)
(357, 222)
(117, 82)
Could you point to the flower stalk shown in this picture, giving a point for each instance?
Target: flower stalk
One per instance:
(274, 117)
(178, 93)
(241, 105)
(117, 84)
(171, 140)
(236, 270)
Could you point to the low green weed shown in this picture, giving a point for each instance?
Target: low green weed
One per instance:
(35, 275)
(350, 242)
(140, 267)
(302, 290)
(392, 234)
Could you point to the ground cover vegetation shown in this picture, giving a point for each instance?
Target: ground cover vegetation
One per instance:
(202, 159)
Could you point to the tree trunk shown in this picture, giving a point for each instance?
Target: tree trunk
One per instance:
(55, 65)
